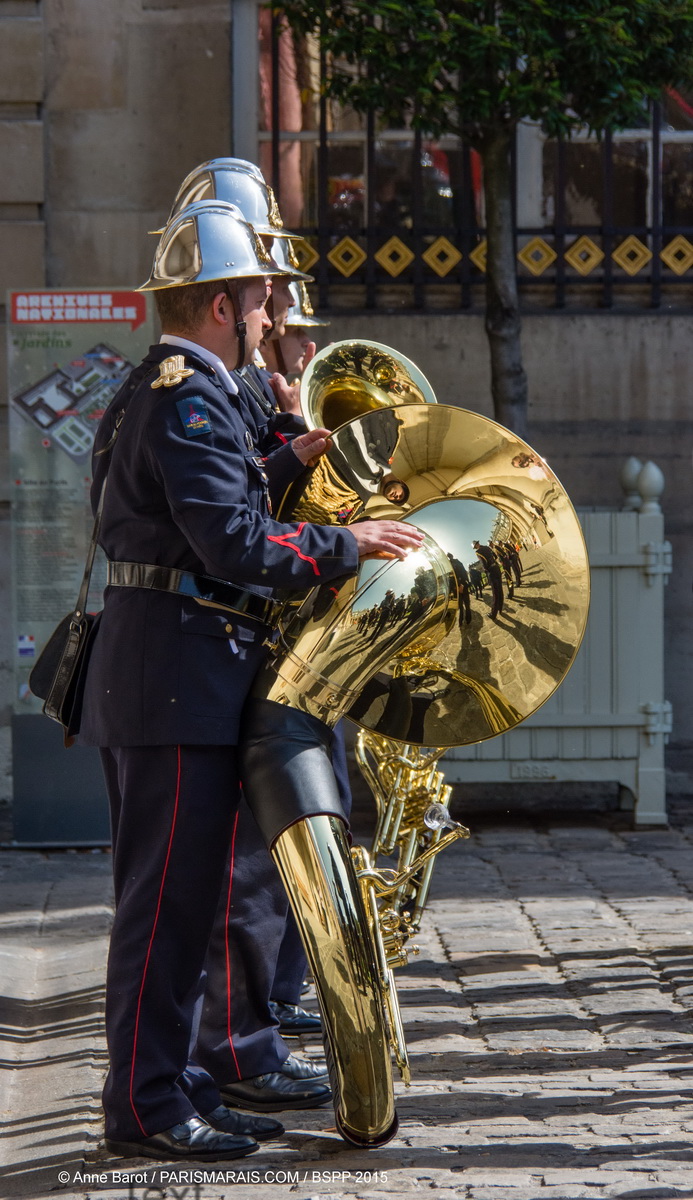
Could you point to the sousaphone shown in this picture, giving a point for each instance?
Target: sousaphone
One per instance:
(387, 648)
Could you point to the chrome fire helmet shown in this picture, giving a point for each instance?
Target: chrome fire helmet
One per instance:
(207, 241)
(234, 184)
(238, 164)
(301, 313)
(282, 253)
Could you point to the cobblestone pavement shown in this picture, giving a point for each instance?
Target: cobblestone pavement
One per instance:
(548, 1018)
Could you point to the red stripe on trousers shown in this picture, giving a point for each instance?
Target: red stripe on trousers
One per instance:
(228, 957)
(149, 948)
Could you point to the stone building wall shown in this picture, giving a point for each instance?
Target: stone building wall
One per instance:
(104, 107)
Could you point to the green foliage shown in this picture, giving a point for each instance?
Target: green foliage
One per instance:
(474, 66)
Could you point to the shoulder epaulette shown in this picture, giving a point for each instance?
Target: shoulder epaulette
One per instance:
(172, 371)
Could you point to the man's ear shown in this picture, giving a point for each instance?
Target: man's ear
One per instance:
(220, 309)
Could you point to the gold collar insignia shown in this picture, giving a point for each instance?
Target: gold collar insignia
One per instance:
(172, 371)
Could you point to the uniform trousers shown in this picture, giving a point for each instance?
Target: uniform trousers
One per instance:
(496, 581)
(465, 604)
(256, 943)
(173, 813)
(291, 965)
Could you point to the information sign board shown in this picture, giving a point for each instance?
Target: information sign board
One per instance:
(69, 352)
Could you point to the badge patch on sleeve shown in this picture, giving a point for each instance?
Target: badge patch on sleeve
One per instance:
(193, 413)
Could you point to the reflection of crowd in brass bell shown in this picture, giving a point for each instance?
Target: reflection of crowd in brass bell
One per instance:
(503, 648)
(514, 636)
(392, 608)
(494, 563)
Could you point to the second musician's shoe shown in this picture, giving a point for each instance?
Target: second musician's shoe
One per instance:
(304, 1068)
(229, 1120)
(294, 1020)
(278, 1091)
(193, 1139)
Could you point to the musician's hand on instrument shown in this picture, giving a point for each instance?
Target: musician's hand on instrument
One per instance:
(287, 394)
(311, 446)
(386, 539)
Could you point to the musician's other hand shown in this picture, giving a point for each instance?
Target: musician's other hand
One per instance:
(307, 356)
(287, 394)
(386, 539)
(311, 446)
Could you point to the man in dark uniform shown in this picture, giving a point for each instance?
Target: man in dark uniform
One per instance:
(299, 324)
(476, 579)
(185, 513)
(280, 966)
(248, 939)
(462, 577)
(504, 561)
(488, 559)
(515, 560)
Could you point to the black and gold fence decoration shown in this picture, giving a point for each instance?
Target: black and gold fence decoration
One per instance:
(540, 258)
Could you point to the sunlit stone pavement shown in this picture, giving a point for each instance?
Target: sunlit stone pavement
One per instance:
(548, 1017)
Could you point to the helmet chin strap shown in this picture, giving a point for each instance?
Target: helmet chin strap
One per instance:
(234, 296)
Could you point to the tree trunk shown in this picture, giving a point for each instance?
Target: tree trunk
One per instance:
(508, 379)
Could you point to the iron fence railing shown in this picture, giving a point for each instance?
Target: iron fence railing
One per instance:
(409, 252)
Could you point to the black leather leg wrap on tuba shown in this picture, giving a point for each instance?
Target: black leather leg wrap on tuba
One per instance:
(286, 767)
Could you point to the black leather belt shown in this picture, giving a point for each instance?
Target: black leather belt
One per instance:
(200, 587)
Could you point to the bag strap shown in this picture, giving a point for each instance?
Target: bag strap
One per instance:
(83, 596)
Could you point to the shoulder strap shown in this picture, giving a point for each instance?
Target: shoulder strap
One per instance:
(254, 383)
(83, 594)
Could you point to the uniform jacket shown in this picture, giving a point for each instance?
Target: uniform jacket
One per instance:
(461, 573)
(488, 558)
(188, 487)
(275, 426)
(271, 429)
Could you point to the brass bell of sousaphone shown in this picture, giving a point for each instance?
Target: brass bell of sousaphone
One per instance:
(350, 378)
(463, 479)
(392, 648)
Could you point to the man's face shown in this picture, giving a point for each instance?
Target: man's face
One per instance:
(396, 492)
(257, 322)
(282, 300)
(294, 345)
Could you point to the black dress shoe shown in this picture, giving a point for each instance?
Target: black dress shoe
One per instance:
(304, 1068)
(294, 1020)
(276, 1092)
(227, 1120)
(192, 1139)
